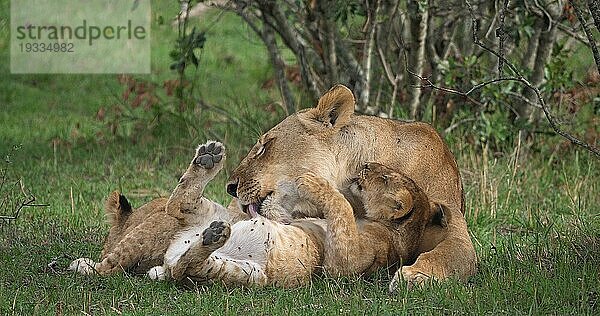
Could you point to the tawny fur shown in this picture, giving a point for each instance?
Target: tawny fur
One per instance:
(256, 251)
(249, 251)
(396, 212)
(260, 251)
(332, 142)
(139, 238)
(128, 246)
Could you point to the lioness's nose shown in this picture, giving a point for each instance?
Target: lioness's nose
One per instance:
(232, 187)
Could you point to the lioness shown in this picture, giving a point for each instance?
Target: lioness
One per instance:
(332, 142)
(213, 243)
(262, 251)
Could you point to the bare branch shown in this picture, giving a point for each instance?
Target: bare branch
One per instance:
(518, 78)
(26, 200)
(457, 124)
(594, 6)
(588, 32)
(572, 34)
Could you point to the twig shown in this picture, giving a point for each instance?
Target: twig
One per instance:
(522, 98)
(29, 201)
(457, 124)
(517, 78)
(588, 34)
(572, 34)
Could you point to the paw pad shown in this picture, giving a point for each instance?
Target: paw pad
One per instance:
(216, 232)
(209, 154)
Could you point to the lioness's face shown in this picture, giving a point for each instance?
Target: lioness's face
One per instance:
(302, 142)
(287, 151)
(385, 194)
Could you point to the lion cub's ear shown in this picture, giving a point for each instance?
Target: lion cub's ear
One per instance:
(439, 212)
(404, 205)
(335, 107)
(117, 208)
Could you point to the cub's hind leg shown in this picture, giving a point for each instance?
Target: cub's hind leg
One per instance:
(142, 248)
(137, 238)
(218, 268)
(213, 237)
(202, 263)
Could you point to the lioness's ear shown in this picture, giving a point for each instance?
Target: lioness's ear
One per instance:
(117, 207)
(439, 214)
(335, 107)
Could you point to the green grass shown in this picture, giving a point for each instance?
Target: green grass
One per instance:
(535, 223)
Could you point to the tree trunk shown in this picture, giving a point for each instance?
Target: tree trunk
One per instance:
(528, 61)
(417, 11)
(543, 53)
(279, 67)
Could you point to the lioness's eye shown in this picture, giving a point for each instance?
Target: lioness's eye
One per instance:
(260, 150)
(263, 145)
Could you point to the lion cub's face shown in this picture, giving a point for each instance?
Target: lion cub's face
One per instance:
(390, 196)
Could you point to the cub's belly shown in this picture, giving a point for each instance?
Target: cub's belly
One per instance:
(288, 253)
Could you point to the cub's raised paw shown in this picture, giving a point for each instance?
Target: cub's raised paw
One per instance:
(216, 233)
(84, 266)
(409, 277)
(210, 154)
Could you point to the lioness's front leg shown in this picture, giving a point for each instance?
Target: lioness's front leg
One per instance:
(454, 256)
(347, 251)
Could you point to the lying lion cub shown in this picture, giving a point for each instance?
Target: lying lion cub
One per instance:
(178, 235)
(138, 238)
(213, 243)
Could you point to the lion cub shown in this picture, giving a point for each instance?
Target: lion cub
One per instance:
(191, 237)
(397, 211)
(139, 238)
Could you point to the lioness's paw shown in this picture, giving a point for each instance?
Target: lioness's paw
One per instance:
(210, 154)
(409, 277)
(83, 266)
(216, 233)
